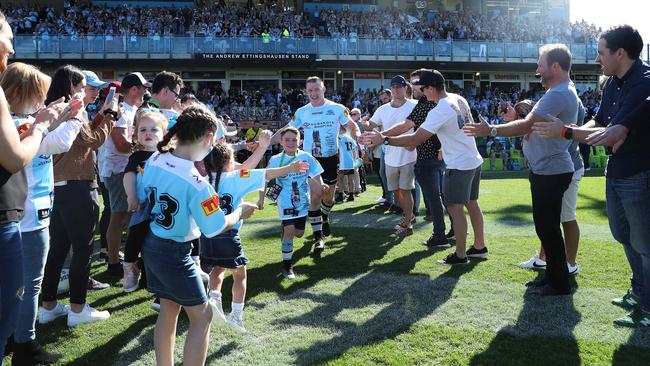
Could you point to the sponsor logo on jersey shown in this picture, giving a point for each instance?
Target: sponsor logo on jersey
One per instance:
(24, 127)
(211, 205)
(244, 173)
(316, 113)
(330, 112)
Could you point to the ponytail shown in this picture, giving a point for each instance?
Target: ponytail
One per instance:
(163, 144)
(216, 161)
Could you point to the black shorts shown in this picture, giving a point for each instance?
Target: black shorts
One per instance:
(330, 169)
(298, 223)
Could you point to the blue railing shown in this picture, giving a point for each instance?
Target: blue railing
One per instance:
(166, 47)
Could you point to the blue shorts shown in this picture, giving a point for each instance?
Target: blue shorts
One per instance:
(224, 250)
(171, 272)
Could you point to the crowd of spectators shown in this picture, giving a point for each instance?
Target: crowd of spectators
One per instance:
(275, 23)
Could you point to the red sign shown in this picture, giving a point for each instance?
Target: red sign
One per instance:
(367, 75)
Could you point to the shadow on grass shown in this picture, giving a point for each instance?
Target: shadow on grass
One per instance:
(513, 215)
(107, 352)
(627, 355)
(521, 344)
(402, 303)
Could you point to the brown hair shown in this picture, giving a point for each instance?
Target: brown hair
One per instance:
(193, 124)
(290, 129)
(557, 53)
(22, 83)
(314, 79)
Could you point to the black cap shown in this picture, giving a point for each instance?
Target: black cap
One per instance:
(398, 80)
(430, 78)
(134, 79)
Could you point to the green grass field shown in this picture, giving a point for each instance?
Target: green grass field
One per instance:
(373, 300)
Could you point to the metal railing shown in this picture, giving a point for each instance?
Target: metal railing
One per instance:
(168, 47)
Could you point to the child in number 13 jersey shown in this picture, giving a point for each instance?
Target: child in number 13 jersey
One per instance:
(184, 205)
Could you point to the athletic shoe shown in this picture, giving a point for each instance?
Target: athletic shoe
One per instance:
(115, 270)
(437, 242)
(452, 259)
(86, 315)
(45, 316)
(428, 218)
(358, 193)
(350, 197)
(402, 232)
(287, 270)
(477, 253)
(236, 323)
(573, 270)
(319, 246)
(31, 353)
(94, 285)
(533, 263)
(629, 301)
(338, 197)
(103, 256)
(131, 276)
(450, 235)
(402, 223)
(204, 276)
(384, 206)
(636, 319)
(218, 316)
(155, 305)
(380, 200)
(326, 228)
(396, 210)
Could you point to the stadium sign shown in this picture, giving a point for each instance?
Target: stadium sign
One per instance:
(300, 57)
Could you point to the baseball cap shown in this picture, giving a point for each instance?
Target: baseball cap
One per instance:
(117, 85)
(222, 130)
(398, 80)
(93, 80)
(134, 79)
(430, 78)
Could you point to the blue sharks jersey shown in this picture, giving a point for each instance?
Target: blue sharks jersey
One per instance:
(235, 185)
(40, 186)
(293, 200)
(347, 145)
(320, 126)
(184, 204)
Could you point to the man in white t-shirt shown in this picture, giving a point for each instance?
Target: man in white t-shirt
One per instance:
(463, 174)
(116, 151)
(399, 161)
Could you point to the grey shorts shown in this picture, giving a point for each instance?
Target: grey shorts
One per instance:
(402, 177)
(461, 186)
(116, 194)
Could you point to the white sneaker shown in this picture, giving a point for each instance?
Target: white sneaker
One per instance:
(155, 306)
(87, 315)
(131, 277)
(204, 276)
(380, 200)
(573, 270)
(45, 316)
(533, 263)
(236, 323)
(218, 317)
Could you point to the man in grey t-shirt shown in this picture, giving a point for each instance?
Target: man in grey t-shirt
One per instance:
(550, 163)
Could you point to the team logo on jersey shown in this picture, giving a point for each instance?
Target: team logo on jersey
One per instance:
(23, 128)
(346, 112)
(330, 112)
(141, 170)
(244, 173)
(211, 205)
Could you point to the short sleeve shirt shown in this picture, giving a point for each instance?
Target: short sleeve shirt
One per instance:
(235, 185)
(347, 145)
(184, 204)
(113, 161)
(320, 127)
(388, 116)
(293, 200)
(427, 150)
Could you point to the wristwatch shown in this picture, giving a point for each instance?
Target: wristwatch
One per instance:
(111, 112)
(493, 131)
(386, 142)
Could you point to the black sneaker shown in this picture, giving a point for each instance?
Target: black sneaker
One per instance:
(115, 270)
(453, 259)
(338, 197)
(288, 270)
(350, 197)
(31, 353)
(326, 228)
(437, 241)
(319, 246)
(396, 210)
(450, 235)
(103, 256)
(477, 253)
(94, 285)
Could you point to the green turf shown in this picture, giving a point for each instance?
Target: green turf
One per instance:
(373, 300)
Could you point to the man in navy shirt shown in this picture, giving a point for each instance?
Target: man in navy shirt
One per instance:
(622, 123)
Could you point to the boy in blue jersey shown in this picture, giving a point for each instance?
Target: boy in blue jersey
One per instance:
(320, 121)
(184, 205)
(292, 194)
(348, 155)
(225, 250)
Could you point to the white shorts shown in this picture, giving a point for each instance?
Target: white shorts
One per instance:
(570, 198)
(402, 177)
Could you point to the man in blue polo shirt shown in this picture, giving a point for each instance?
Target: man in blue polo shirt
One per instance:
(622, 123)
